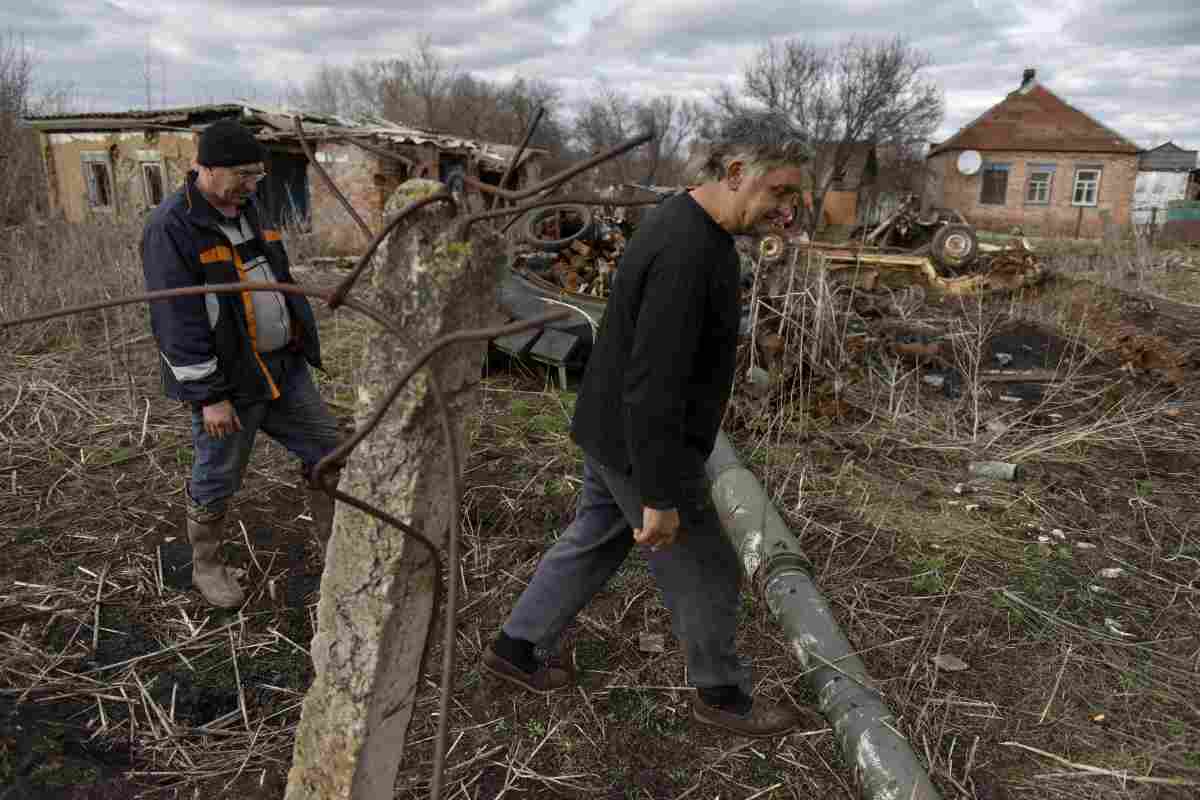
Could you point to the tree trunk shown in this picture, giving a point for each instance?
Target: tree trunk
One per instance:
(814, 213)
(377, 589)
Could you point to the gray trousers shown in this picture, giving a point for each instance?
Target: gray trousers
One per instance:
(699, 575)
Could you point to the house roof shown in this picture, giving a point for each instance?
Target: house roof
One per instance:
(1167, 157)
(277, 124)
(180, 112)
(1035, 118)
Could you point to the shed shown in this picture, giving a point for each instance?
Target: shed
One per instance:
(121, 164)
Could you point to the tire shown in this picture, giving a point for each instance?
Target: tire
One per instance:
(954, 247)
(529, 229)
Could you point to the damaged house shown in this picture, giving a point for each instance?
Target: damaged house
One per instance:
(1034, 162)
(851, 192)
(1165, 173)
(121, 164)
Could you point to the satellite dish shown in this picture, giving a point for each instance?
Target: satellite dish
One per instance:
(969, 162)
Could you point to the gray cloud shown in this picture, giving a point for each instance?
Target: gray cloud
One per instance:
(1127, 62)
(1148, 23)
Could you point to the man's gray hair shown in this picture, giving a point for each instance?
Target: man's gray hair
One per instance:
(762, 140)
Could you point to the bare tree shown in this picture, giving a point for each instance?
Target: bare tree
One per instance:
(471, 107)
(838, 98)
(604, 120)
(676, 122)
(519, 100)
(611, 116)
(148, 76)
(327, 91)
(430, 80)
(20, 160)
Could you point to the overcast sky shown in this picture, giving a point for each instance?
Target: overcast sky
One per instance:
(1131, 63)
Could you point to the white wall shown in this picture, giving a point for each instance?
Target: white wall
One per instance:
(1155, 190)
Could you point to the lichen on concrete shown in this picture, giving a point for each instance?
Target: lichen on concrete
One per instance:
(378, 586)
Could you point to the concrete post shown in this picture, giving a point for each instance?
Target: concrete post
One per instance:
(378, 586)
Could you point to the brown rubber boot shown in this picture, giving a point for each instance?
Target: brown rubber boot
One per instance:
(764, 719)
(213, 579)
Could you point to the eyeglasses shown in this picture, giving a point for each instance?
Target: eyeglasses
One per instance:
(254, 175)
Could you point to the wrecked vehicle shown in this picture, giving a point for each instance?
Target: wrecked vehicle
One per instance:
(569, 255)
(942, 234)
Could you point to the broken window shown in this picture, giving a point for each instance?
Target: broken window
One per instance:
(152, 182)
(995, 184)
(1087, 186)
(98, 177)
(1041, 176)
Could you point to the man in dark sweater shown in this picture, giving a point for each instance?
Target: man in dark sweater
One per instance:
(647, 416)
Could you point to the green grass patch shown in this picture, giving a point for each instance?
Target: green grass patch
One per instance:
(643, 710)
(591, 654)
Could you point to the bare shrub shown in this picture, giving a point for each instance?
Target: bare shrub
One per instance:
(22, 188)
(47, 265)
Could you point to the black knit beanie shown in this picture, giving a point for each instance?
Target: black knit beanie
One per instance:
(228, 143)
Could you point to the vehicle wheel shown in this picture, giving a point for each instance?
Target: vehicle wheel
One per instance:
(954, 246)
(571, 217)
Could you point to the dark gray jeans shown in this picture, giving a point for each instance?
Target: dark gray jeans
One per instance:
(699, 575)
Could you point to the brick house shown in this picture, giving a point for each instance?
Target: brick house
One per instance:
(851, 191)
(1043, 166)
(121, 164)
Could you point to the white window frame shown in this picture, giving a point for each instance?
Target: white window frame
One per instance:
(88, 159)
(994, 166)
(162, 181)
(1048, 184)
(1081, 183)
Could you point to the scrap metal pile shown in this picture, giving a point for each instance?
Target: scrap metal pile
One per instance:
(575, 248)
(994, 268)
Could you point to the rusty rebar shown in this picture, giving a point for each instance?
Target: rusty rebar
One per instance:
(322, 474)
(556, 180)
(343, 289)
(516, 156)
(334, 459)
(312, 159)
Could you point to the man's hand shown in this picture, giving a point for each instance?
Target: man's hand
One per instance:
(220, 420)
(659, 527)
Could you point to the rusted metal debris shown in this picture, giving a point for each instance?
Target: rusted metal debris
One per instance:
(579, 254)
(994, 269)
(340, 296)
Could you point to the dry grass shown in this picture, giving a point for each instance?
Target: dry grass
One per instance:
(1072, 594)
(1080, 680)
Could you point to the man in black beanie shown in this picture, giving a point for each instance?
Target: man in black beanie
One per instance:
(241, 361)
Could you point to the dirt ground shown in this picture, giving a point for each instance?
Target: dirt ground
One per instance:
(1070, 598)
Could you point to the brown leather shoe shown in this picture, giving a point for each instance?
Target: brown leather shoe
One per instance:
(544, 680)
(764, 720)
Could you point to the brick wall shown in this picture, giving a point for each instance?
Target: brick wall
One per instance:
(1058, 217)
(367, 181)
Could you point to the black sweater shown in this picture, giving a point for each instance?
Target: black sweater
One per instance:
(661, 370)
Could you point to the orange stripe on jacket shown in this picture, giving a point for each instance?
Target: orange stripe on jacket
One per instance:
(215, 254)
(252, 326)
(271, 235)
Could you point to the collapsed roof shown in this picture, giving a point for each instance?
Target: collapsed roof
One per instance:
(278, 125)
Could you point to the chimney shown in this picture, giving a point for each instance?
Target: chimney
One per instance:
(1027, 78)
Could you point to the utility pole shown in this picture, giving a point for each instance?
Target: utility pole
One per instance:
(147, 76)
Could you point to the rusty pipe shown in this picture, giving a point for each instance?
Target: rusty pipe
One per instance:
(516, 157)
